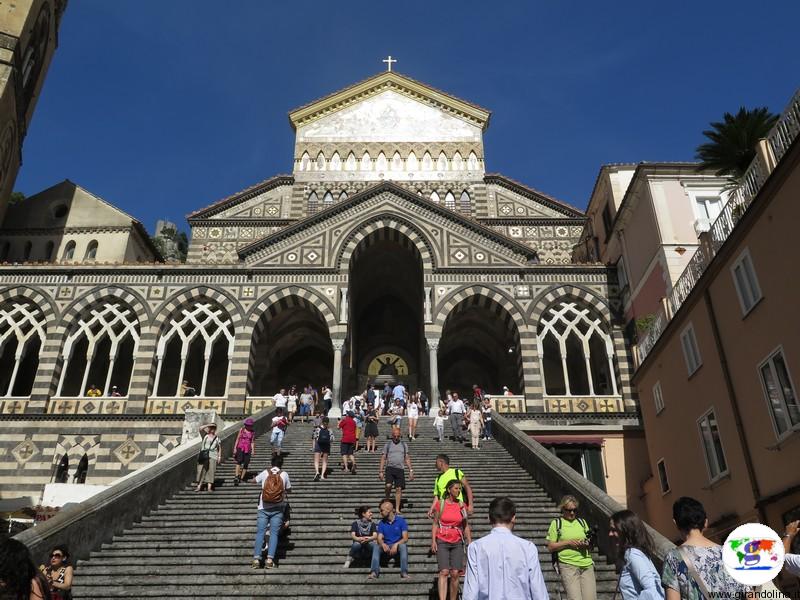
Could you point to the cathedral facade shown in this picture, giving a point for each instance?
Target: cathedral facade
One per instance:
(388, 253)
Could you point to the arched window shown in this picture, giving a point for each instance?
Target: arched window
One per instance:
(91, 250)
(472, 162)
(366, 162)
(26, 252)
(320, 161)
(434, 197)
(305, 162)
(100, 349)
(450, 200)
(350, 165)
(411, 162)
(22, 330)
(343, 196)
(313, 202)
(48, 250)
(336, 163)
(464, 202)
(458, 162)
(441, 164)
(381, 163)
(397, 162)
(427, 162)
(69, 251)
(576, 350)
(196, 347)
(327, 199)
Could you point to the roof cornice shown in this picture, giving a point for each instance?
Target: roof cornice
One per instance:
(394, 81)
(533, 194)
(241, 196)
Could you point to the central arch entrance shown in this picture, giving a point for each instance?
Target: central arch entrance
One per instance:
(386, 340)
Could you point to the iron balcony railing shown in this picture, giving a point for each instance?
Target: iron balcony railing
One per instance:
(778, 140)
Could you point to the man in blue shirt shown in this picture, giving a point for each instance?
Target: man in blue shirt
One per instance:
(392, 540)
(501, 565)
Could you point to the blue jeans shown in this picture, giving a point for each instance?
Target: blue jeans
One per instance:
(276, 439)
(274, 519)
(487, 428)
(377, 551)
(359, 550)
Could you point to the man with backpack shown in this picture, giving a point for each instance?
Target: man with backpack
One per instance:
(275, 485)
(321, 441)
(394, 459)
(447, 474)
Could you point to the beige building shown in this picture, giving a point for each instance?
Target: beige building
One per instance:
(28, 39)
(718, 380)
(67, 224)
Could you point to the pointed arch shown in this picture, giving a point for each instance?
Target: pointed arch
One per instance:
(441, 162)
(336, 163)
(458, 162)
(427, 162)
(22, 332)
(397, 161)
(450, 200)
(381, 163)
(305, 162)
(320, 163)
(472, 162)
(465, 202)
(342, 196)
(411, 162)
(435, 197)
(366, 162)
(327, 199)
(313, 202)
(350, 164)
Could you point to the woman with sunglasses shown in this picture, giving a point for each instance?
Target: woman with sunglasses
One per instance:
(568, 541)
(638, 577)
(59, 574)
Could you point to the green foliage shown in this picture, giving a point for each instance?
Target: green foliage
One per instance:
(733, 141)
(172, 244)
(16, 197)
(644, 323)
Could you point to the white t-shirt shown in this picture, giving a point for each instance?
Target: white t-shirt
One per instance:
(456, 406)
(262, 477)
(413, 410)
(791, 562)
(328, 395)
(280, 400)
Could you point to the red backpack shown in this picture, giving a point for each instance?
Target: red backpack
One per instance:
(272, 492)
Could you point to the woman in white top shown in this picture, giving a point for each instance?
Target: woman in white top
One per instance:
(413, 415)
(291, 405)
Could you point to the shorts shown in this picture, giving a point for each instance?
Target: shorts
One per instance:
(450, 557)
(358, 433)
(346, 448)
(242, 458)
(292, 407)
(305, 410)
(396, 477)
(322, 448)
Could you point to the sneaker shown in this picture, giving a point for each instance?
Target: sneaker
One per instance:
(236, 481)
(316, 477)
(347, 562)
(270, 564)
(256, 564)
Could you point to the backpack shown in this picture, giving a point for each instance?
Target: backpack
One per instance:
(459, 476)
(405, 450)
(554, 555)
(272, 492)
(324, 436)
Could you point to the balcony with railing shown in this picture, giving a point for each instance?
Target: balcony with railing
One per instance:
(770, 151)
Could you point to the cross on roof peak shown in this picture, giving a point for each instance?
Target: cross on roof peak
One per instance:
(389, 60)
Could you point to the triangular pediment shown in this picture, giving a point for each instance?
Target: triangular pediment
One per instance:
(265, 200)
(401, 87)
(449, 239)
(510, 199)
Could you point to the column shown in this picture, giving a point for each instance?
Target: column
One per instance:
(343, 306)
(433, 347)
(336, 385)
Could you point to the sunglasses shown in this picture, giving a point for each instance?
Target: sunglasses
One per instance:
(56, 555)
(570, 510)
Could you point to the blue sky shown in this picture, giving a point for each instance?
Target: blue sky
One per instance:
(164, 106)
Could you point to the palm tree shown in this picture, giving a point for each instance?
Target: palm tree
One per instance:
(733, 142)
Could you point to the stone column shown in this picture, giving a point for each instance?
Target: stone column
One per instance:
(336, 385)
(343, 306)
(433, 347)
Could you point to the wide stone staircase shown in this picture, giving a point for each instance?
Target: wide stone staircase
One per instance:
(200, 544)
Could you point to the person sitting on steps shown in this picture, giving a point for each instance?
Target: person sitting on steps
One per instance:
(392, 541)
(364, 535)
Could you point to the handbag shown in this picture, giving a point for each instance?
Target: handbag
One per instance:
(687, 558)
(203, 457)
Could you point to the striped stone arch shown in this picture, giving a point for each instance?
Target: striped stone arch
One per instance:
(45, 304)
(373, 230)
(568, 291)
(271, 305)
(195, 294)
(484, 296)
(53, 350)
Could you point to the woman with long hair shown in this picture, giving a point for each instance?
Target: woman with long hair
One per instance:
(638, 578)
(412, 410)
(450, 535)
(19, 577)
